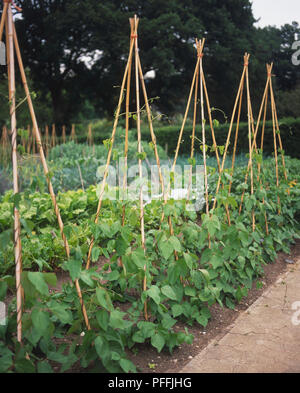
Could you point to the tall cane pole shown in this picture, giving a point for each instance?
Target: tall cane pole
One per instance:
(17, 238)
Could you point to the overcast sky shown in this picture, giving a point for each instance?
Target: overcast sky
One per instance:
(276, 12)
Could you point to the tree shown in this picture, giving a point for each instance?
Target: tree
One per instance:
(167, 34)
(54, 38)
(58, 37)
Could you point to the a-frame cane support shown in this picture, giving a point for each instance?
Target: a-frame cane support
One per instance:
(13, 44)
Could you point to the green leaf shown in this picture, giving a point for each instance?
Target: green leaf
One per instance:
(86, 277)
(24, 366)
(190, 291)
(245, 237)
(205, 275)
(138, 258)
(95, 254)
(3, 290)
(61, 312)
(259, 284)
(169, 292)
(57, 357)
(121, 246)
(188, 260)
(127, 366)
(102, 348)
(6, 358)
(73, 266)
(229, 303)
(141, 156)
(17, 199)
(216, 124)
(112, 276)
(37, 279)
(44, 367)
(215, 225)
(216, 261)
(40, 320)
(166, 249)
(50, 279)
(158, 341)
(177, 310)
(168, 322)
(138, 337)
(102, 317)
(115, 356)
(116, 320)
(147, 329)
(192, 161)
(104, 299)
(175, 243)
(154, 293)
(202, 319)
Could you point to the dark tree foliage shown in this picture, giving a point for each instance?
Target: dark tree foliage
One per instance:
(56, 36)
(167, 34)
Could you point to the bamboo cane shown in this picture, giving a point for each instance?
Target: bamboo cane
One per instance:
(17, 238)
(53, 136)
(126, 131)
(188, 104)
(264, 119)
(153, 137)
(5, 147)
(90, 135)
(211, 121)
(135, 22)
(213, 132)
(262, 143)
(63, 134)
(47, 140)
(193, 132)
(45, 167)
(110, 150)
(229, 132)
(182, 127)
(3, 18)
(275, 146)
(264, 123)
(127, 125)
(278, 132)
(236, 139)
(257, 126)
(262, 107)
(73, 133)
(250, 120)
(203, 134)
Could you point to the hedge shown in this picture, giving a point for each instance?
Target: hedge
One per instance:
(289, 131)
(167, 136)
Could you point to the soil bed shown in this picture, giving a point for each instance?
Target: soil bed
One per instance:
(148, 360)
